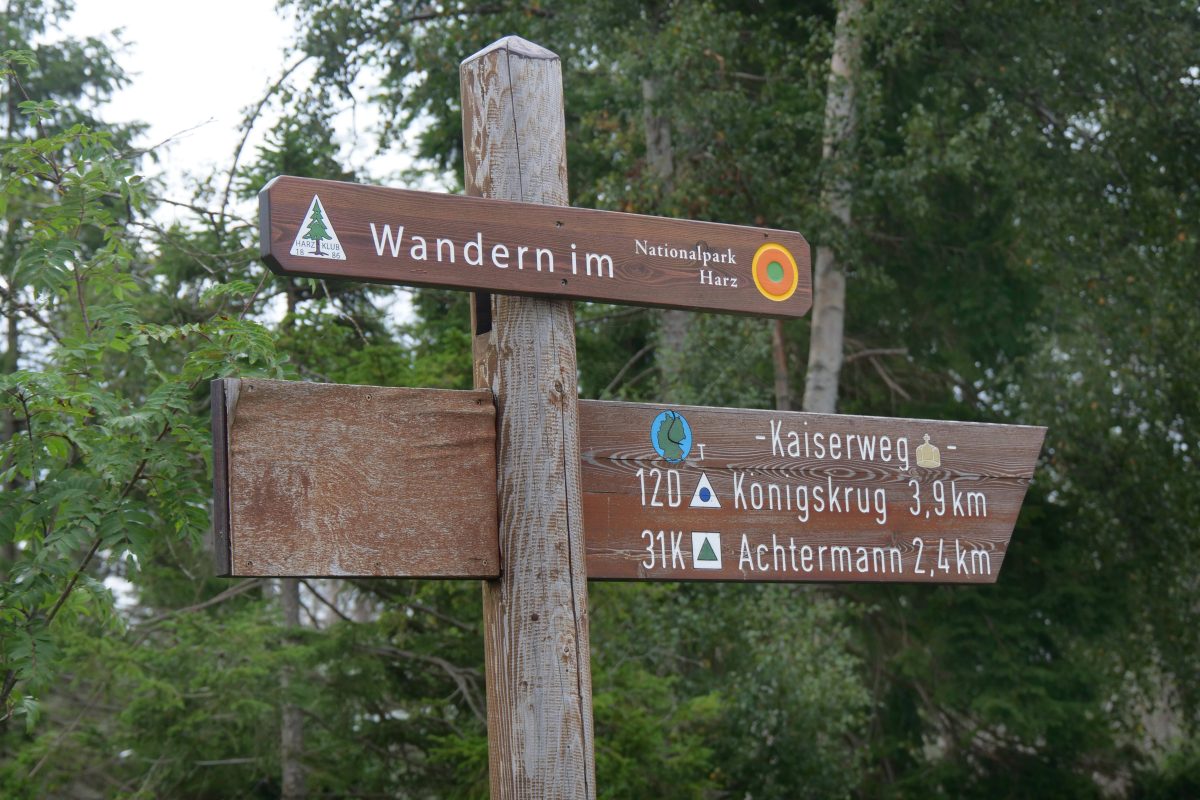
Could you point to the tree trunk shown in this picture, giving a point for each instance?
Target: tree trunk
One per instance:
(829, 297)
(673, 324)
(291, 739)
(660, 154)
(783, 385)
(8, 422)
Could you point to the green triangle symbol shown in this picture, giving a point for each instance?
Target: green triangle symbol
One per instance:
(706, 552)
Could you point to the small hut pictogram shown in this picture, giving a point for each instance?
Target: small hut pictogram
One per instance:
(927, 455)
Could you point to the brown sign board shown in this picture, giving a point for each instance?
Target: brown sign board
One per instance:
(689, 493)
(316, 480)
(326, 480)
(328, 229)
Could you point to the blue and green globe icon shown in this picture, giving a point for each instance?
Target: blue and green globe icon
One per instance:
(671, 436)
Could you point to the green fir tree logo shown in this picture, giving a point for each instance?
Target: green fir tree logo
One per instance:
(316, 237)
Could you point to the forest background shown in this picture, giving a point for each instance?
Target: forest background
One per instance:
(1011, 192)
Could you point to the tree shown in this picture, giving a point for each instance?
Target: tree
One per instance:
(316, 228)
(103, 455)
(829, 281)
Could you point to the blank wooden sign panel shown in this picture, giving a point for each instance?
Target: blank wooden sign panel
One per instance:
(326, 480)
(331, 229)
(687, 493)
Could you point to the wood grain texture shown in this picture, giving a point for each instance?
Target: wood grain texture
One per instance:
(540, 733)
(220, 434)
(684, 280)
(768, 492)
(329, 480)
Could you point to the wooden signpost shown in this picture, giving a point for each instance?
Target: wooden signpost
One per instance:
(501, 483)
(342, 230)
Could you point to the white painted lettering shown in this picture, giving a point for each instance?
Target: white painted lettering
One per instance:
(477, 245)
(776, 442)
(677, 550)
(806, 558)
(599, 260)
(649, 562)
(744, 559)
(863, 562)
(739, 497)
(778, 554)
(418, 245)
(839, 558)
(835, 501)
(385, 241)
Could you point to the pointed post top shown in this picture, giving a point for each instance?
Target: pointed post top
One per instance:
(517, 46)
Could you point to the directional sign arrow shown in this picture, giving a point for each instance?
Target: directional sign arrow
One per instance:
(369, 233)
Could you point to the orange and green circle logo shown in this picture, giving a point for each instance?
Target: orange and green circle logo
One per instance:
(775, 272)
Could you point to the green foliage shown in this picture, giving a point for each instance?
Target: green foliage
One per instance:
(108, 442)
(1025, 224)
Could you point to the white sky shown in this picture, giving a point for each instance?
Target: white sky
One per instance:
(196, 67)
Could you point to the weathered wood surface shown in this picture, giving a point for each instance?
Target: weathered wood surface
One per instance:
(222, 395)
(545, 251)
(328, 480)
(305, 484)
(775, 496)
(539, 690)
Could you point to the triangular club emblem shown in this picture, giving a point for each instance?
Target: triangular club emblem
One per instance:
(316, 237)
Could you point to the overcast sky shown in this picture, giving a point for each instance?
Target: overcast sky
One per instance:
(195, 67)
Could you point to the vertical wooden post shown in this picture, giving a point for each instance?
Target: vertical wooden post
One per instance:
(539, 681)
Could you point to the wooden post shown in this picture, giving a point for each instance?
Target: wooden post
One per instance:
(539, 682)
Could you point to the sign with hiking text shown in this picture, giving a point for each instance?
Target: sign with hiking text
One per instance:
(329, 229)
(326, 480)
(689, 493)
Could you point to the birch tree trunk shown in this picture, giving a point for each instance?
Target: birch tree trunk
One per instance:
(829, 296)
